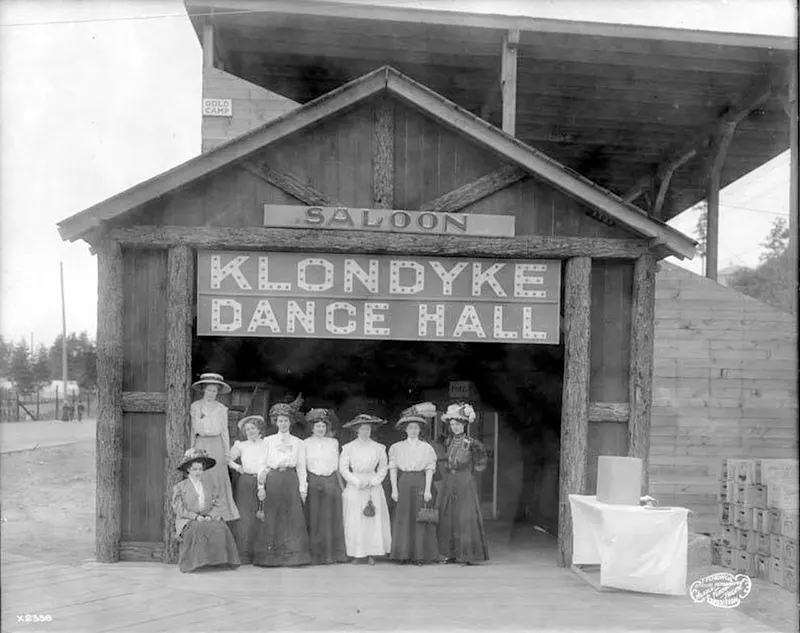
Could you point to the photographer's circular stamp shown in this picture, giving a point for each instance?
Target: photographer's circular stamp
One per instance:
(723, 590)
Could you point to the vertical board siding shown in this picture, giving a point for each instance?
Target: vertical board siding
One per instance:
(144, 319)
(143, 455)
(724, 385)
(612, 284)
(335, 157)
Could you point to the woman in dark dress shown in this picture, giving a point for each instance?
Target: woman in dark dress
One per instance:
(412, 463)
(282, 537)
(461, 534)
(247, 457)
(324, 502)
(205, 540)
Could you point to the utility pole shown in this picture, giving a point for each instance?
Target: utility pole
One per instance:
(63, 334)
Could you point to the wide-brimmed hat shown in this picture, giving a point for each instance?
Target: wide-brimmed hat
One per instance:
(328, 416)
(258, 420)
(460, 411)
(289, 409)
(421, 413)
(196, 455)
(211, 379)
(364, 418)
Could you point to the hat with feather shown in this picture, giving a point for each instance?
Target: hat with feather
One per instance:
(364, 418)
(289, 409)
(460, 411)
(421, 413)
(328, 416)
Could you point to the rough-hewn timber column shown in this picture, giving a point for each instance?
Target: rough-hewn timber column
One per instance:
(641, 365)
(109, 402)
(508, 80)
(383, 155)
(180, 273)
(720, 151)
(575, 400)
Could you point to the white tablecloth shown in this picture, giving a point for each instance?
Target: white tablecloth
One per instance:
(637, 548)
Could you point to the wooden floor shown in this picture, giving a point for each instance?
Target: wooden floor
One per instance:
(520, 589)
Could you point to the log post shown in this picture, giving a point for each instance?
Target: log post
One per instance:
(108, 508)
(719, 152)
(180, 273)
(640, 383)
(575, 399)
(383, 155)
(791, 112)
(208, 45)
(508, 80)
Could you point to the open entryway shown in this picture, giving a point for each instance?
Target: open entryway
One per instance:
(516, 390)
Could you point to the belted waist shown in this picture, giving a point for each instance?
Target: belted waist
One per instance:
(283, 468)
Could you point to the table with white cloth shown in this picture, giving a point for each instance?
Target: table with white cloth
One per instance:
(637, 548)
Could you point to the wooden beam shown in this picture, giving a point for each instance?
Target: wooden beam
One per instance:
(208, 45)
(144, 401)
(759, 92)
(720, 151)
(575, 400)
(108, 508)
(310, 240)
(609, 412)
(383, 155)
(640, 385)
(180, 278)
(290, 184)
(790, 107)
(478, 189)
(508, 80)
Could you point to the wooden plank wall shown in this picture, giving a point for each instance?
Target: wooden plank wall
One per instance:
(612, 284)
(252, 107)
(724, 386)
(335, 158)
(144, 440)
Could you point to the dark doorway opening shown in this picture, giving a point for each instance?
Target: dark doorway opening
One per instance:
(521, 383)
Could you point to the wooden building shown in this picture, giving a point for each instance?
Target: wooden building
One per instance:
(383, 142)
(551, 128)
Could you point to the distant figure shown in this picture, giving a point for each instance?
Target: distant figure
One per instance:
(80, 411)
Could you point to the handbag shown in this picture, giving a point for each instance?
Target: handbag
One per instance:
(369, 509)
(428, 514)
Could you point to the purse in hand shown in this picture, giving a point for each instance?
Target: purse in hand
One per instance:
(428, 514)
(369, 509)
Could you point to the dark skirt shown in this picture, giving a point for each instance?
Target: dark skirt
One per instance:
(461, 533)
(245, 491)
(412, 540)
(282, 538)
(324, 517)
(206, 544)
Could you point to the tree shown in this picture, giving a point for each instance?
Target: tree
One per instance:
(40, 368)
(6, 347)
(769, 281)
(81, 359)
(21, 372)
(701, 230)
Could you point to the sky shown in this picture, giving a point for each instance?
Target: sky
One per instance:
(96, 96)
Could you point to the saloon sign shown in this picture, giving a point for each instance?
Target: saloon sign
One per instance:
(325, 295)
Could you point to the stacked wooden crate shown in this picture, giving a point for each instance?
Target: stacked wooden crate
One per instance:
(758, 513)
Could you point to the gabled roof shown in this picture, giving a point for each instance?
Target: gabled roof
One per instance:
(390, 81)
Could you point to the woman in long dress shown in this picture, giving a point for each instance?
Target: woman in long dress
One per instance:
(251, 454)
(282, 537)
(324, 503)
(210, 433)
(412, 463)
(461, 534)
(363, 466)
(204, 539)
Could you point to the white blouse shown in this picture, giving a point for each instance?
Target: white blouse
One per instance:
(412, 455)
(284, 450)
(322, 455)
(253, 454)
(198, 488)
(363, 461)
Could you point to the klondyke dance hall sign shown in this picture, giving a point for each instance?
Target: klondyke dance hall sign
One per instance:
(326, 295)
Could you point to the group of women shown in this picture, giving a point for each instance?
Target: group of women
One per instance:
(298, 502)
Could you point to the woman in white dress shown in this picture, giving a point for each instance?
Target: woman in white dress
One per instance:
(363, 465)
(251, 454)
(210, 433)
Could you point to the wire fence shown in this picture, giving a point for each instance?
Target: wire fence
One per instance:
(19, 407)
